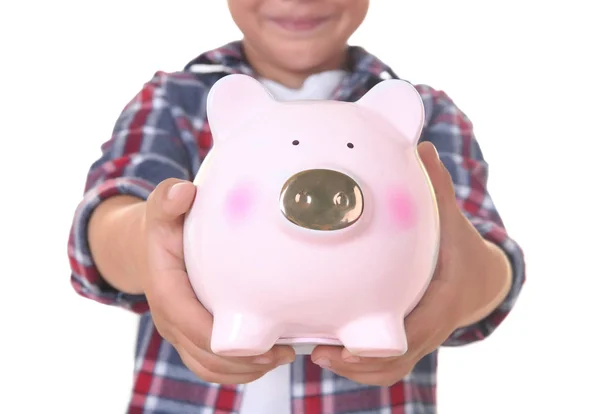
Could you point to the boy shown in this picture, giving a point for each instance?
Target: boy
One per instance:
(126, 239)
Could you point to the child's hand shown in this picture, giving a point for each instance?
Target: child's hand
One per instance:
(471, 279)
(175, 309)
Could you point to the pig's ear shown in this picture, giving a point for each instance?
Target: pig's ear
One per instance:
(232, 100)
(399, 103)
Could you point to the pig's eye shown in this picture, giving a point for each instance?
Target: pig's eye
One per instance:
(295, 142)
(350, 145)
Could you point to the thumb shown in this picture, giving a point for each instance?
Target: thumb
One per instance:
(441, 180)
(170, 200)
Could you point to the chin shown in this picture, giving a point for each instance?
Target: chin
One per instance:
(305, 58)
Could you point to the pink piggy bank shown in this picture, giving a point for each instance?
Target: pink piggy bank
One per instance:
(314, 221)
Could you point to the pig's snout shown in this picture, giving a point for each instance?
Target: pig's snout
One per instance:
(321, 200)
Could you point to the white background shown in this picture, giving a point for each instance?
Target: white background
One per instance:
(524, 71)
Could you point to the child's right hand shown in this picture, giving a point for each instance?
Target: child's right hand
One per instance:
(176, 311)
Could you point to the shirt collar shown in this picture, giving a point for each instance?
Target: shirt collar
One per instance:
(366, 69)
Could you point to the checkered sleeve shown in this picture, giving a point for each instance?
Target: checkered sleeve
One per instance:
(154, 138)
(449, 129)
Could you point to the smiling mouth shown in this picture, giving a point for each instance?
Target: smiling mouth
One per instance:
(299, 24)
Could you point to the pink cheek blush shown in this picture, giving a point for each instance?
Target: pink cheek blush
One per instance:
(402, 209)
(239, 203)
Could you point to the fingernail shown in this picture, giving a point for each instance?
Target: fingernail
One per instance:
(323, 362)
(174, 190)
(287, 360)
(262, 360)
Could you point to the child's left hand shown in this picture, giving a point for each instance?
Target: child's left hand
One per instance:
(472, 278)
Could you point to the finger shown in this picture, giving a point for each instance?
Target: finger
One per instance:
(370, 370)
(365, 365)
(441, 180)
(165, 210)
(429, 324)
(426, 326)
(229, 366)
(278, 355)
(363, 370)
(347, 356)
(384, 378)
(189, 324)
(168, 288)
(338, 358)
(174, 302)
(170, 200)
(207, 375)
(199, 331)
(182, 314)
(281, 354)
(234, 365)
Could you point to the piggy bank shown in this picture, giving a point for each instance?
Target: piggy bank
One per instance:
(314, 222)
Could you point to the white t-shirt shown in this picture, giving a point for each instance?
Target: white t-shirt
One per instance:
(271, 393)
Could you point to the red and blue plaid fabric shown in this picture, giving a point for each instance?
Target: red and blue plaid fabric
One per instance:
(162, 133)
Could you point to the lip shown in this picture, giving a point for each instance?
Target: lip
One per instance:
(299, 24)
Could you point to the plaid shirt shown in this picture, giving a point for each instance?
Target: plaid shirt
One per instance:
(162, 132)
